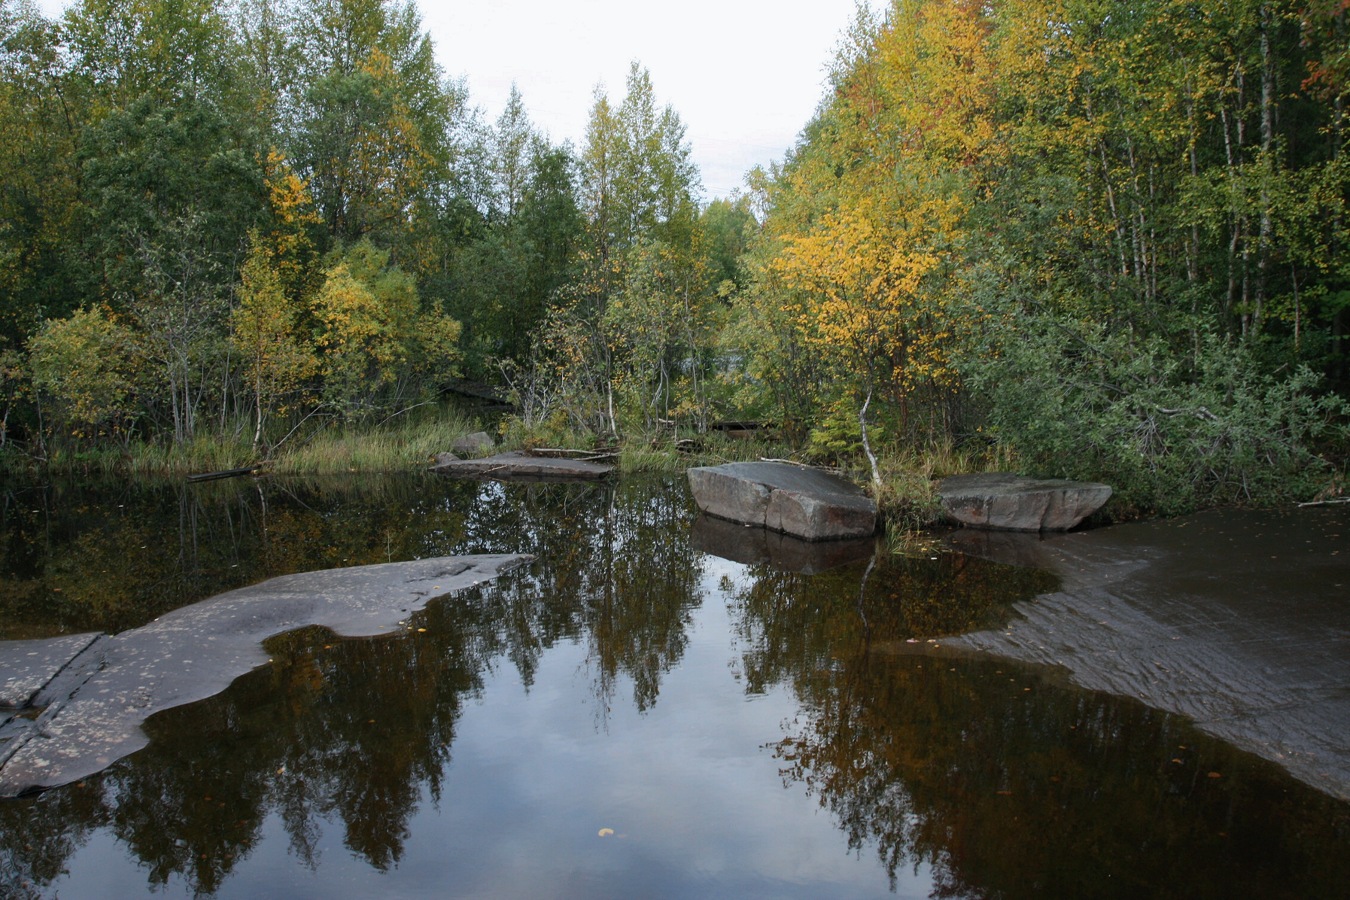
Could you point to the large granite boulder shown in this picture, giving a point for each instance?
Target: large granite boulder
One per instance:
(517, 466)
(796, 500)
(1016, 503)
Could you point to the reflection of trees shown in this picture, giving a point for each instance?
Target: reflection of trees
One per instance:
(617, 571)
(111, 557)
(1007, 786)
(795, 625)
(38, 835)
(1004, 785)
(350, 731)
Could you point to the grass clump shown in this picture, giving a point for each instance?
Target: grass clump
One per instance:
(387, 447)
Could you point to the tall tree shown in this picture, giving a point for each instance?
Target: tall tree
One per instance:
(38, 173)
(374, 124)
(513, 142)
(169, 50)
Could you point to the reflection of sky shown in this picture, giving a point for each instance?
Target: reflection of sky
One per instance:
(695, 800)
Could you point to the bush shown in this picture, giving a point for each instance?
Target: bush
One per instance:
(1170, 432)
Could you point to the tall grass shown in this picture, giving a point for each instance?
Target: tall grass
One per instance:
(908, 500)
(318, 447)
(392, 446)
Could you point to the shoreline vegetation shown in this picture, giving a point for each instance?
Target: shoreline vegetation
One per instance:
(1103, 242)
(906, 499)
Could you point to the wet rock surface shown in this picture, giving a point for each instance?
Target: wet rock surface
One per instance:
(516, 466)
(1015, 503)
(796, 500)
(26, 667)
(1232, 618)
(77, 703)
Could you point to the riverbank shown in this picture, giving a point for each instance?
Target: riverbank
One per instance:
(1237, 619)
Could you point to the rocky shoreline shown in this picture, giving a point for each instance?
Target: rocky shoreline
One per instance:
(1239, 620)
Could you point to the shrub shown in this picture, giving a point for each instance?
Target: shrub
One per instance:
(1170, 432)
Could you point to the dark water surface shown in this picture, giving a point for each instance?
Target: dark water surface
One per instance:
(633, 715)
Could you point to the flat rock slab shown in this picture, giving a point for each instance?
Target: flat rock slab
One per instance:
(796, 500)
(758, 546)
(26, 667)
(1016, 503)
(524, 467)
(1236, 619)
(196, 652)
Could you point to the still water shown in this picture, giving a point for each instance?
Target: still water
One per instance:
(635, 714)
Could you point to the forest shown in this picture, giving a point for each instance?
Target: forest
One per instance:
(1101, 239)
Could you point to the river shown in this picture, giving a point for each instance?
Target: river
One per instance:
(654, 707)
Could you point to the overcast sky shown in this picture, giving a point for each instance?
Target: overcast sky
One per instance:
(744, 75)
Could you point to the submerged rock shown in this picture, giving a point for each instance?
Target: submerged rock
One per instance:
(517, 466)
(1016, 503)
(796, 500)
(84, 697)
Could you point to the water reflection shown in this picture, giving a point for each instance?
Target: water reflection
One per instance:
(983, 778)
(1008, 786)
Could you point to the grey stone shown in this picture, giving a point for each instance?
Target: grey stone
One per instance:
(196, 651)
(1016, 503)
(517, 466)
(26, 667)
(479, 443)
(796, 500)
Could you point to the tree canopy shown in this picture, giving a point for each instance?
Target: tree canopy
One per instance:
(1085, 238)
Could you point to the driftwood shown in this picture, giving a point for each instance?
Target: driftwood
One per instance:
(223, 473)
(578, 455)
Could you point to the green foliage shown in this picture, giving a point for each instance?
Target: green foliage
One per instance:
(85, 365)
(38, 176)
(1171, 180)
(837, 433)
(1170, 431)
(638, 181)
(264, 331)
(727, 226)
(379, 347)
(627, 343)
(1162, 177)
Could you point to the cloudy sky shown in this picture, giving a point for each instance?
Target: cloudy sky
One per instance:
(744, 75)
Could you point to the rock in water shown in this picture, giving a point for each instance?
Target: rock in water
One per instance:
(1016, 503)
(796, 500)
(517, 466)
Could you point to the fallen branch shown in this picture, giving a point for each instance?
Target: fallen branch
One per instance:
(578, 455)
(223, 473)
(1324, 502)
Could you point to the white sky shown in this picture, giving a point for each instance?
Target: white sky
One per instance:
(744, 75)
